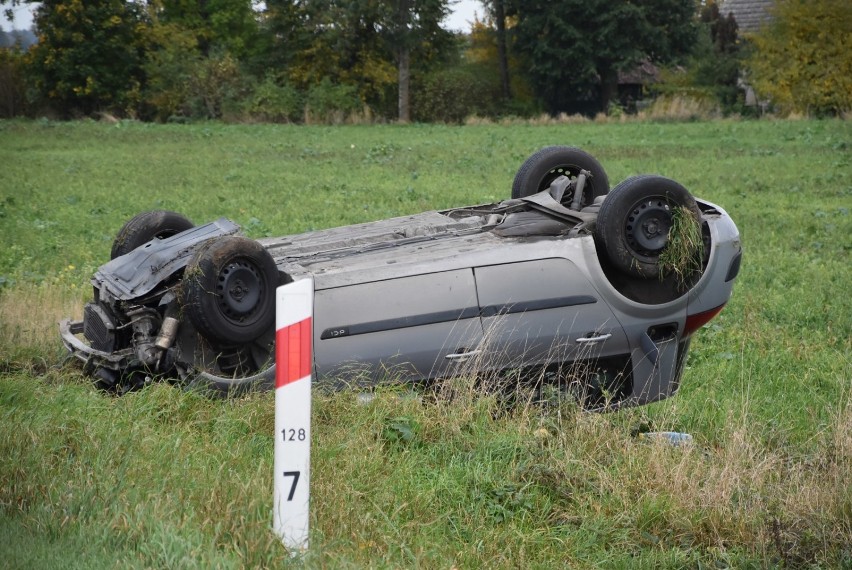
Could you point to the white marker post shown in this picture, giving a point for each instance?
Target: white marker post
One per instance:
(293, 365)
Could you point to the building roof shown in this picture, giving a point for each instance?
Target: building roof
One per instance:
(749, 14)
(643, 74)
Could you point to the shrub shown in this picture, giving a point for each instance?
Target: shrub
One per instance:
(215, 87)
(451, 95)
(327, 102)
(274, 100)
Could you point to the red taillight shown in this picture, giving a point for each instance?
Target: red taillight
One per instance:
(698, 320)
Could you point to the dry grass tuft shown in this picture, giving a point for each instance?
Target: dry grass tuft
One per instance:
(680, 108)
(29, 317)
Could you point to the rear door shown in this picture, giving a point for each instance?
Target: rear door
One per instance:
(410, 328)
(542, 312)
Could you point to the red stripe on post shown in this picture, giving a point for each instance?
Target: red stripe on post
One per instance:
(293, 352)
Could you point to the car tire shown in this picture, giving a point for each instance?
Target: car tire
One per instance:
(229, 291)
(144, 227)
(544, 166)
(634, 221)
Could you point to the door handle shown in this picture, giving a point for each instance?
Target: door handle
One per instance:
(590, 339)
(462, 355)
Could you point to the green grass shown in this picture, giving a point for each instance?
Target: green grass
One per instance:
(684, 251)
(167, 478)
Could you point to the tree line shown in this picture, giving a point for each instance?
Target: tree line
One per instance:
(382, 60)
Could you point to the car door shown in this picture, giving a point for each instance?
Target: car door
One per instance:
(542, 312)
(408, 328)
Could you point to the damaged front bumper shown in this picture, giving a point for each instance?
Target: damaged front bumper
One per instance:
(122, 368)
(91, 358)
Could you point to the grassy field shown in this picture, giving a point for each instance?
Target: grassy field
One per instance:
(164, 478)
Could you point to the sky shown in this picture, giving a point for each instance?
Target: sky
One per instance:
(23, 18)
(462, 16)
(459, 20)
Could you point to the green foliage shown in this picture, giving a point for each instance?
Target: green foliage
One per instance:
(283, 33)
(327, 102)
(803, 59)
(712, 71)
(400, 431)
(274, 101)
(574, 49)
(171, 60)
(88, 57)
(181, 59)
(13, 84)
(215, 87)
(482, 56)
(218, 25)
(717, 69)
(354, 44)
(453, 94)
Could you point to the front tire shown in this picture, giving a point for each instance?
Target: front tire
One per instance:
(229, 291)
(144, 227)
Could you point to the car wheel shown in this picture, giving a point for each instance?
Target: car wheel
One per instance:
(549, 163)
(634, 223)
(144, 227)
(229, 291)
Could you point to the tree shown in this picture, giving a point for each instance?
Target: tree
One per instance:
(574, 49)
(413, 25)
(497, 11)
(229, 25)
(370, 44)
(89, 55)
(283, 31)
(802, 60)
(482, 61)
(324, 44)
(717, 66)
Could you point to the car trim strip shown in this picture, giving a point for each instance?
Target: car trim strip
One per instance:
(400, 323)
(453, 315)
(537, 305)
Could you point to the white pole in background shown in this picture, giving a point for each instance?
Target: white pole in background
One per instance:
(293, 365)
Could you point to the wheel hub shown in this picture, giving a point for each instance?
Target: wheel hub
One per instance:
(239, 289)
(648, 226)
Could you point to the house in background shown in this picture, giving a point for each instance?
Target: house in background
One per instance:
(633, 85)
(749, 14)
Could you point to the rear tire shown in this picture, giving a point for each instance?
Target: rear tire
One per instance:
(634, 222)
(229, 291)
(144, 227)
(549, 163)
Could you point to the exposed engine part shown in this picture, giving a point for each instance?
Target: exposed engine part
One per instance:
(146, 324)
(168, 332)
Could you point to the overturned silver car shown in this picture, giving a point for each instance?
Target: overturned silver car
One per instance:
(567, 282)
